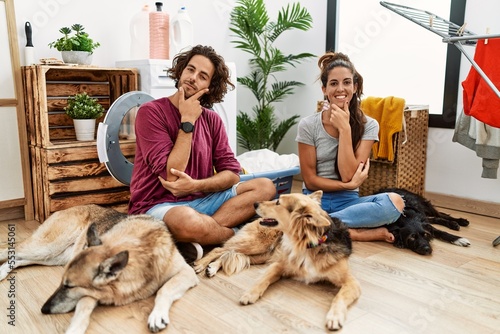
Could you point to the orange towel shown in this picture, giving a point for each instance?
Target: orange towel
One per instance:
(388, 111)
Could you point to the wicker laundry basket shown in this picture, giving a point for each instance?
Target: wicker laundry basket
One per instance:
(408, 168)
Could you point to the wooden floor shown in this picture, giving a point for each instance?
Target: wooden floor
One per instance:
(455, 290)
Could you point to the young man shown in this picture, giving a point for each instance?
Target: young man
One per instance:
(184, 170)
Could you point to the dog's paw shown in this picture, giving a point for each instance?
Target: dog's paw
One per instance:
(249, 297)
(336, 317)
(461, 242)
(198, 268)
(462, 222)
(333, 324)
(158, 320)
(211, 270)
(454, 226)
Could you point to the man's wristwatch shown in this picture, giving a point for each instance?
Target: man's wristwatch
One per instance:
(187, 127)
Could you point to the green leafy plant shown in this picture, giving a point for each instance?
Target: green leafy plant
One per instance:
(255, 34)
(82, 106)
(80, 41)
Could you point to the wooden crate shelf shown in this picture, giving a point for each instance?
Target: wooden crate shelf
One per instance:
(67, 172)
(47, 89)
(66, 176)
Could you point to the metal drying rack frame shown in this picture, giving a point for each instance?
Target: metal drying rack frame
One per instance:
(449, 31)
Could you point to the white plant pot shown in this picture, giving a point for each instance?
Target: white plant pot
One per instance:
(84, 129)
(77, 57)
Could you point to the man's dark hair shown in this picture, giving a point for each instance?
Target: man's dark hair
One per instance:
(220, 80)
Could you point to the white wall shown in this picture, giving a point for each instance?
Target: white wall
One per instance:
(211, 27)
(451, 168)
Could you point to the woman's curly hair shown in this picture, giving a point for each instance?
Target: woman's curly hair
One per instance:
(220, 80)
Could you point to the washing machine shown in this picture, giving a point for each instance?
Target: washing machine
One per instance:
(118, 125)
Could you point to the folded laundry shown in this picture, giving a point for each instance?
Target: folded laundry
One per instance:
(266, 160)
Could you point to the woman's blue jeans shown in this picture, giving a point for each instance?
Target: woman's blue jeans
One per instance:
(359, 212)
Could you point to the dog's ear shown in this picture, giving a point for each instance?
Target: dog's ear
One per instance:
(315, 220)
(398, 242)
(398, 239)
(93, 236)
(322, 221)
(110, 268)
(429, 231)
(317, 195)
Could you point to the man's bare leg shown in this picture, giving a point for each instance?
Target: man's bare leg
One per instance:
(241, 207)
(188, 225)
(371, 234)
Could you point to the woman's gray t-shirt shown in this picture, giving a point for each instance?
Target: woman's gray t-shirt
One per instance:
(311, 132)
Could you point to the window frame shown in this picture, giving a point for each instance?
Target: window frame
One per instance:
(453, 58)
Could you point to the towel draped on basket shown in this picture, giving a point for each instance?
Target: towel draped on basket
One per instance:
(388, 111)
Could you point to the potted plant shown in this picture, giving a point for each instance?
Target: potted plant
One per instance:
(77, 48)
(84, 110)
(255, 34)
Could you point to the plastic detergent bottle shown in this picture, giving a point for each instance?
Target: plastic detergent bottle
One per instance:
(139, 34)
(159, 29)
(182, 31)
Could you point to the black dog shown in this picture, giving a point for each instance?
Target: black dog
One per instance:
(413, 229)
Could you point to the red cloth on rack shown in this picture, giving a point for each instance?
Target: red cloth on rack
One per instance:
(480, 101)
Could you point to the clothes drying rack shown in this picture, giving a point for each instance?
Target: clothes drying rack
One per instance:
(449, 31)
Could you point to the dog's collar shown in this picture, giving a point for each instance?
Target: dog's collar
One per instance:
(320, 241)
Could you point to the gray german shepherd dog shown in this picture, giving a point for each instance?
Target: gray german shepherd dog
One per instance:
(110, 258)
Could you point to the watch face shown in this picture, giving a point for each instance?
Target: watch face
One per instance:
(187, 127)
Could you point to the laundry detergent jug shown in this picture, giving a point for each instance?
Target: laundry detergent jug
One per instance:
(182, 32)
(139, 34)
(159, 29)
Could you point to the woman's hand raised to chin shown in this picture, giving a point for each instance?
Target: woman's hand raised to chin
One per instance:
(339, 117)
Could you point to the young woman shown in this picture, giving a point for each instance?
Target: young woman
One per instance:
(334, 150)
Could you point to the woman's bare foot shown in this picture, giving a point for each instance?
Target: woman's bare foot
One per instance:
(371, 234)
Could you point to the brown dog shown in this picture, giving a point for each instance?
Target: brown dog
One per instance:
(313, 248)
(253, 244)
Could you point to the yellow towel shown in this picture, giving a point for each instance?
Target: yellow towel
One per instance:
(388, 111)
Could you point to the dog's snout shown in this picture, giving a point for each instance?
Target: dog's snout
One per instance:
(46, 308)
(425, 250)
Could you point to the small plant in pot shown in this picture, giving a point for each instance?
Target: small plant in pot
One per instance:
(77, 48)
(84, 110)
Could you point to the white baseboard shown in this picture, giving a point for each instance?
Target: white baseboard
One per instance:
(484, 208)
